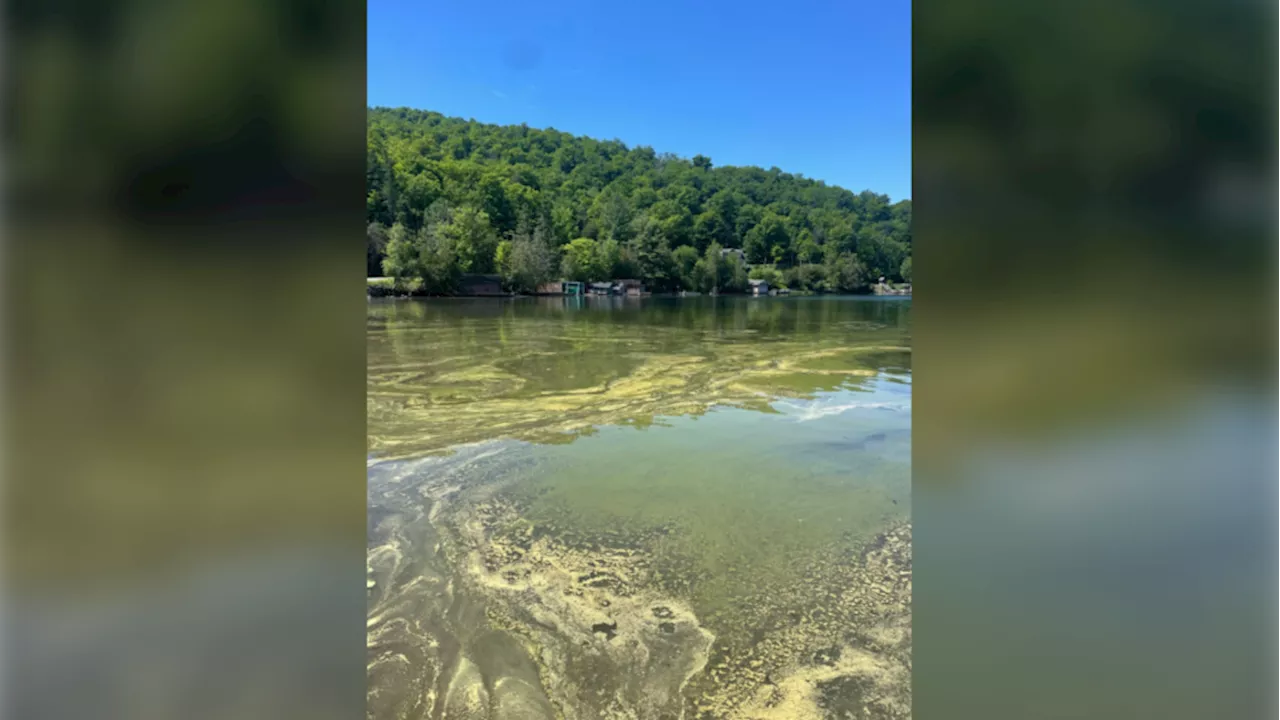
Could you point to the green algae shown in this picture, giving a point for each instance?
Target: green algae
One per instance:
(454, 372)
(704, 514)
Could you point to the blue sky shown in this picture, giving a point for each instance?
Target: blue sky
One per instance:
(817, 88)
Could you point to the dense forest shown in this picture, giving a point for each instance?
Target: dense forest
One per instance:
(448, 196)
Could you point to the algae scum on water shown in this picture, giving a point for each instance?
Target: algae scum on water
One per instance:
(652, 508)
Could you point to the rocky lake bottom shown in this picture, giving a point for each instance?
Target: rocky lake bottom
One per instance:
(726, 535)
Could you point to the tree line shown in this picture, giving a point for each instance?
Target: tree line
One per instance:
(447, 197)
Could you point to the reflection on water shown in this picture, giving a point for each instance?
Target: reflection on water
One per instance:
(448, 372)
(640, 508)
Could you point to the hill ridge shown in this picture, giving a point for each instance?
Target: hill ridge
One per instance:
(472, 197)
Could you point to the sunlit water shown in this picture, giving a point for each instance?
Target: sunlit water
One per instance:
(647, 507)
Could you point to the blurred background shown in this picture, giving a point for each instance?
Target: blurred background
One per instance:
(1095, 429)
(184, 354)
(1094, 481)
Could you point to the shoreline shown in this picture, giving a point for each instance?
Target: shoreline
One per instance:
(401, 293)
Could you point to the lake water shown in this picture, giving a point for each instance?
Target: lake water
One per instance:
(639, 507)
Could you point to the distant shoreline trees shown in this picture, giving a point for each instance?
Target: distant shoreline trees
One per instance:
(448, 197)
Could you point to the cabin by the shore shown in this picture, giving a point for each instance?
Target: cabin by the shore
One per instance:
(563, 287)
(602, 287)
(759, 287)
(628, 287)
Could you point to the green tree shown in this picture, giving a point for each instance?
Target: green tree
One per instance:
(579, 262)
(492, 198)
(724, 204)
(502, 258)
(401, 261)
(675, 221)
(611, 213)
(375, 248)
(735, 274)
(653, 259)
(806, 248)
(808, 277)
(709, 227)
(712, 272)
(564, 223)
(847, 274)
(610, 262)
(748, 216)
(426, 170)
(769, 275)
(526, 264)
(438, 261)
(419, 192)
(684, 260)
(761, 240)
(905, 270)
(882, 254)
(472, 238)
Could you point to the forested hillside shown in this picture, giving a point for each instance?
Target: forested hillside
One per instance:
(448, 196)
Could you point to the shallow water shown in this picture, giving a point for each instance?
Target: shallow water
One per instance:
(649, 507)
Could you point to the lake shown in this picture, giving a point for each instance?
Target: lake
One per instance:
(639, 507)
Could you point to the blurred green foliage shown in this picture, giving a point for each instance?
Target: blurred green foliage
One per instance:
(166, 164)
(1076, 145)
(1094, 359)
(184, 352)
(1086, 167)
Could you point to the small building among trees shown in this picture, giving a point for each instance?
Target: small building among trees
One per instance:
(629, 287)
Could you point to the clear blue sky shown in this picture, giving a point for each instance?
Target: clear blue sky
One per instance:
(817, 88)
